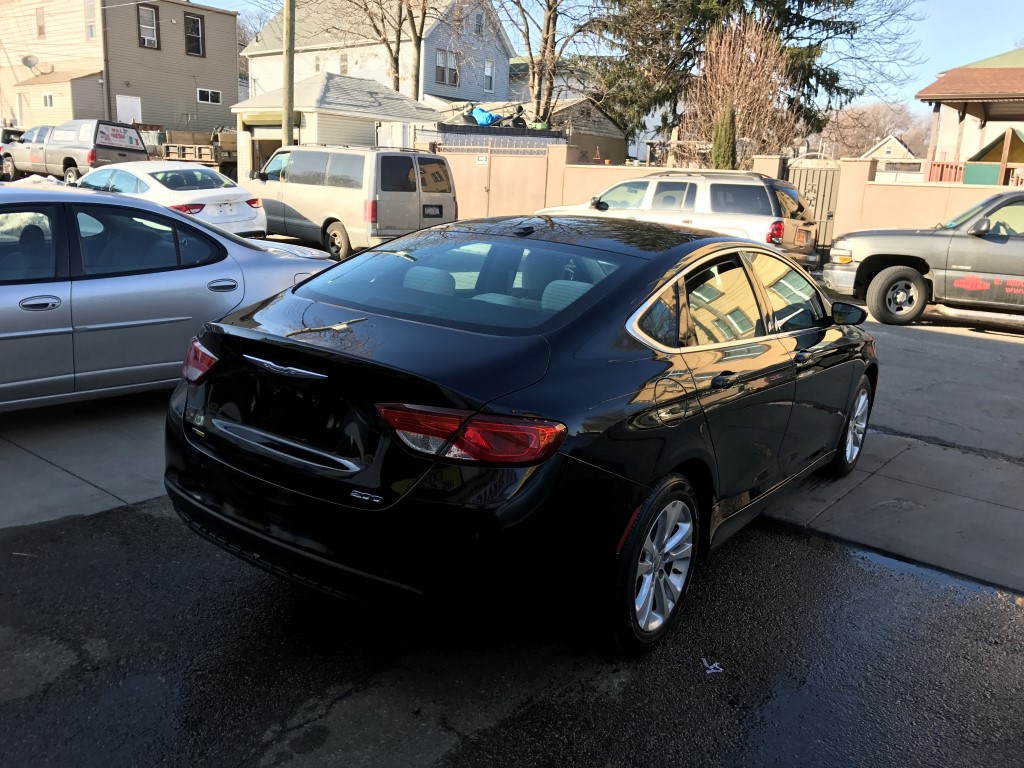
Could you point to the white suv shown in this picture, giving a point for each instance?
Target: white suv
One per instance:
(740, 204)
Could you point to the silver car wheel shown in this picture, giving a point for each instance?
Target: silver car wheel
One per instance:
(663, 566)
(901, 297)
(857, 427)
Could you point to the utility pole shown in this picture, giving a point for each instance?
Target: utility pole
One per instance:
(288, 42)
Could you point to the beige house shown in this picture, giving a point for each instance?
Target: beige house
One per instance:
(159, 62)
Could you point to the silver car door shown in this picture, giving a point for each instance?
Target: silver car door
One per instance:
(144, 287)
(35, 304)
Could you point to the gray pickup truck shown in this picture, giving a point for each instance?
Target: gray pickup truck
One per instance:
(972, 263)
(72, 148)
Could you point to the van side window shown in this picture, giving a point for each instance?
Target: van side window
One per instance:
(434, 175)
(396, 174)
(345, 171)
(275, 169)
(308, 168)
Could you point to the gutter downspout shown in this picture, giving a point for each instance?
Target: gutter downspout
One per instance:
(106, 61)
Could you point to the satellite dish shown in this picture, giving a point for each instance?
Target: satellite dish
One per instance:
(30, 60)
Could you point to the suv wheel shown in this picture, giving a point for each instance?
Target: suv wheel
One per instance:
(897, 295)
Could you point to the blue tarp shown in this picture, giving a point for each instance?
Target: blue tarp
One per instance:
(483, 117)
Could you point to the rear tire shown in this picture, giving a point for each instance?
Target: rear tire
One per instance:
(655, 565)
(72, 174)
(336, 241)
(897, 295)
(855, 428)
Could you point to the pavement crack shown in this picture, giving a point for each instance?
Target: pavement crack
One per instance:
(931, 440)
(65, 470)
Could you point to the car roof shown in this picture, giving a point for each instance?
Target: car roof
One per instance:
(643, 239)
(152, 166)
(743, 177)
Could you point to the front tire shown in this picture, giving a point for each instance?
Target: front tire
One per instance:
(336, 241)
(655, 565)
(897, 295)
(855, 428)
(71, 175)
(10, 172)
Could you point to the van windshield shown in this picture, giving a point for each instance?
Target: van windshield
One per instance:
(473, 281)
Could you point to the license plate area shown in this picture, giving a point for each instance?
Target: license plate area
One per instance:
(226, 209)
(433, 211)
(801, 237)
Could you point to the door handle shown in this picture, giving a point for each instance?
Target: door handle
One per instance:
(223, 285)
(803, 357)
(725, 380)
(39, 303)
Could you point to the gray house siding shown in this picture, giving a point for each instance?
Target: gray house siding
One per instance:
(166, 79)
(473, 51)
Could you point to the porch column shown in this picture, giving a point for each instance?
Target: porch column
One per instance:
(1007, 135)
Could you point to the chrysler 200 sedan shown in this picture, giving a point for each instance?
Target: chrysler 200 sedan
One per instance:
(633, 391)
(100, 294)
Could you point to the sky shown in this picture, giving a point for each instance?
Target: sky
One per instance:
(955, 32)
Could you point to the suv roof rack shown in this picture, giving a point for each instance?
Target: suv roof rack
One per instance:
(364, 146)
(708, 172)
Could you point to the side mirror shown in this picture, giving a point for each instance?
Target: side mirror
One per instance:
(847, 314)
(598, 204)
(981, 228)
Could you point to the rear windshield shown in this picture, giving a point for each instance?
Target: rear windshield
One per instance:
(741, 198)
(191, 179)
(463, 280)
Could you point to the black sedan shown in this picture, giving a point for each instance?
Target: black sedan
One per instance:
(633, 391)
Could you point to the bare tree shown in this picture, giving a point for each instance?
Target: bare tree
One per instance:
(744, 68)
(549, 31)
(854, 130)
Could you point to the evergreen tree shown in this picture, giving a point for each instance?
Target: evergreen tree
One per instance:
(723, 144)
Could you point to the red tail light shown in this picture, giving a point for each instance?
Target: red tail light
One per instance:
(775, 233)
(90, 158)
(255, 203)
(189, 208)
(370, 211)
(483, 439)
(198, 362)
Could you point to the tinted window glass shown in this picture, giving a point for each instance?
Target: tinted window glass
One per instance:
(795, 303)
(194, 249)
(124, 183)
(661, 321)
(463, 280)
(191, 179)
(120, 241)
(96, 179)
(628, 195)
(275, 167)
(671, 195)
(345, 171)
(434, 175)
(307, 168)
(396, 174)
(722, 304)
(26, 245)
(741, 198)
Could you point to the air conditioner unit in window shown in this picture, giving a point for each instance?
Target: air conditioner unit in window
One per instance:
(149, 42)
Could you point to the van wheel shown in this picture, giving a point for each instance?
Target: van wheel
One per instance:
(71, 175)
(336, 242)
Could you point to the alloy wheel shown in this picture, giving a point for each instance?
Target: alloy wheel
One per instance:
(857, 427)
(901, 297)
(663, 566)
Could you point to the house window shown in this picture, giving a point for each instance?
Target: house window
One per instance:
(316, 64)
(447, 70)
(479, 24)
(489, 76)
(90, 19)
(149, 26)
(206, 96)
(343, 64)
(195, 35)
(47, 99)
(40, 24)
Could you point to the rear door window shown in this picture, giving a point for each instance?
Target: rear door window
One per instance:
(722, 304)
(124, 183)
(795, 303)
(434, 176)
(345, 171)
(397, 174)
(308, 168)
(674, 196)
(741, 198)
(42, 134)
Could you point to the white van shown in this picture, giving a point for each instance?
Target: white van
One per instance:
(353, 197)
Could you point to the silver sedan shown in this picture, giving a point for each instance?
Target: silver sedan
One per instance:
(100, 294)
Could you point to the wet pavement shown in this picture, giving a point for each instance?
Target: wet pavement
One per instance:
(127, 640)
